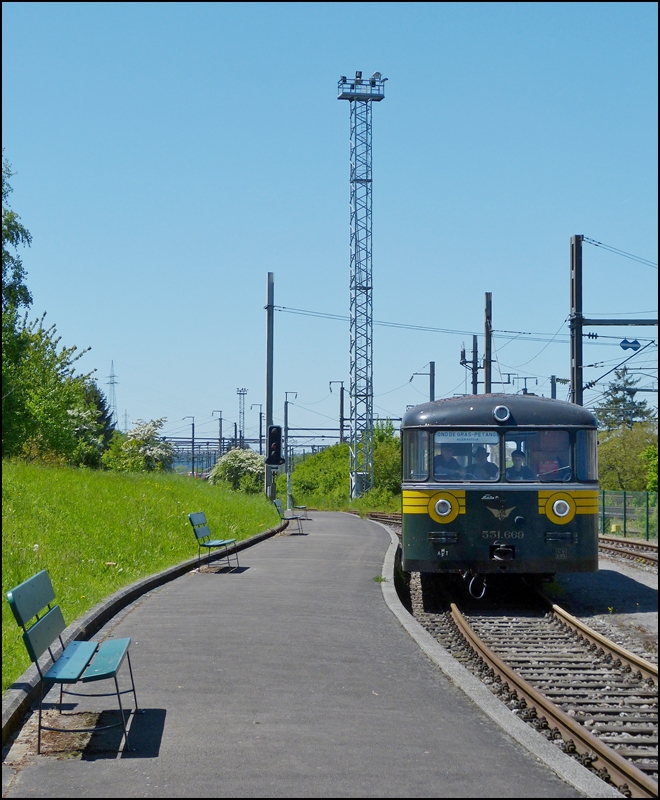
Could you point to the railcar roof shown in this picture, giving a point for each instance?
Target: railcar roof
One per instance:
(477, 410)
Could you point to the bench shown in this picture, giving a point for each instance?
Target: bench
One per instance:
(204, 539)
(33, 602)
(293, 518)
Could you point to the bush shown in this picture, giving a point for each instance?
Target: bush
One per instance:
(139, 450)
(323, 479)
(241, 470)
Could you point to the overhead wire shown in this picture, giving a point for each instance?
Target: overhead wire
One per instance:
(592, 383)
(498, 333)
(543, 348)
(623, 253)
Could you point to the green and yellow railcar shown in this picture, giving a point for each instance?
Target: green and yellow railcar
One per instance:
(499, 484)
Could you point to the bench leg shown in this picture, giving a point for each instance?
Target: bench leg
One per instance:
(41, 700)
(130, 669)
(121, 713)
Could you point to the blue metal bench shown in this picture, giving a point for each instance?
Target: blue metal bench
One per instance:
(293, 518)
(204, 539)
(42, 624)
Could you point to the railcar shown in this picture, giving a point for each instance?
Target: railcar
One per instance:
(499, 484)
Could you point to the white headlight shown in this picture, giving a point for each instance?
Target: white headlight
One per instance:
(443, 508)
(501, 413)
(561, 508)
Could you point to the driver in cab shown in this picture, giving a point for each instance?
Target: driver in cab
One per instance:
(482, 468)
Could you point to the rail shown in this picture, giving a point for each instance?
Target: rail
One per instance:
(593, 751)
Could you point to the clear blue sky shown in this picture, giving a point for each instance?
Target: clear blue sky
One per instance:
(169, 155)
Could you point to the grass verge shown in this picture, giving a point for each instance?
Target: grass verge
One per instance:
(96, 532)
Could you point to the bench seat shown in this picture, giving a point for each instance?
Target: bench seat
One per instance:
(297, 518)
(79, 661)
(204, 539)
(107, 661)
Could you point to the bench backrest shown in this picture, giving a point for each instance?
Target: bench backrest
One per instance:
(278, 505)
(200, 525)
(27, 601)
(31, 597)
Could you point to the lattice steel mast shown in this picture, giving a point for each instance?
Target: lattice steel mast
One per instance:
(361, 93)
(241, 416)
(112, 400)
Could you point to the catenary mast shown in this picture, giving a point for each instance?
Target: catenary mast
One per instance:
(361, 93)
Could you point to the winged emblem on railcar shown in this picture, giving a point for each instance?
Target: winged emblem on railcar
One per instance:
(496, 506)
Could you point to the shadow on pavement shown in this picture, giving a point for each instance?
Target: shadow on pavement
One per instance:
(144, 736)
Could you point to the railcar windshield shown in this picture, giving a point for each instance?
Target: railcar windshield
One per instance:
(538, 456)
(466, 455)
(545, 456)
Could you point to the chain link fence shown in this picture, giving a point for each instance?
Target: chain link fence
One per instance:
(633, 514)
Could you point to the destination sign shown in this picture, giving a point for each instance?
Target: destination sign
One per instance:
(468, 437)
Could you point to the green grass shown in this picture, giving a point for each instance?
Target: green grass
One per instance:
(96, 532)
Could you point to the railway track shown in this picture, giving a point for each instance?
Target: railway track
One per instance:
(637, 550)
(594, 699)
(597, 701)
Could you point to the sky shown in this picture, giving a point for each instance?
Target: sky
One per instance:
(168, 156)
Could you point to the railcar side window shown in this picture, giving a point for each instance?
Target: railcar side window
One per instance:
(586, 452)
(466, 455)
(538, 456)
(415, 455)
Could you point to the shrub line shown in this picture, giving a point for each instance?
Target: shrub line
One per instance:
(20, 696)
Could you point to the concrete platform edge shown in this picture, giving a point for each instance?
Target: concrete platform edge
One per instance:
(564, 766)
(20, 696)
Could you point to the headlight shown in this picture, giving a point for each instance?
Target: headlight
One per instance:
(561, 508)
(501, 413)
(443, 507)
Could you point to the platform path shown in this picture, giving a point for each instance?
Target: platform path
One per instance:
(292, 677)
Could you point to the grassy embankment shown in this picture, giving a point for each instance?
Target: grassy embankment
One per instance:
(96, 532)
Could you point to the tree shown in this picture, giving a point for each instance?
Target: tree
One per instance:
(619, 406)
(621, 463)
(98, 401)
(387, 458)
(40, 390)
(650, 459)
(142, 449)
(48, 412)
(93, 428)
(15, 293)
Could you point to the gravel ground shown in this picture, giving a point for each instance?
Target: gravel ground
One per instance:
(620, 602)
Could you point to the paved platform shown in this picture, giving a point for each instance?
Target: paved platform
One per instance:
(299, 675)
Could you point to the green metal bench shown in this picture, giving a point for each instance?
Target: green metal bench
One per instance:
(42, 622)
(297, 518)
(204, 539)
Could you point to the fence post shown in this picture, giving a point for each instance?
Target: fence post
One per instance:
(624, 515)
(647, 516)
(602, 514)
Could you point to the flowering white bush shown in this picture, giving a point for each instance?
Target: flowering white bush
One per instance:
(141, 449)
(241, 469)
